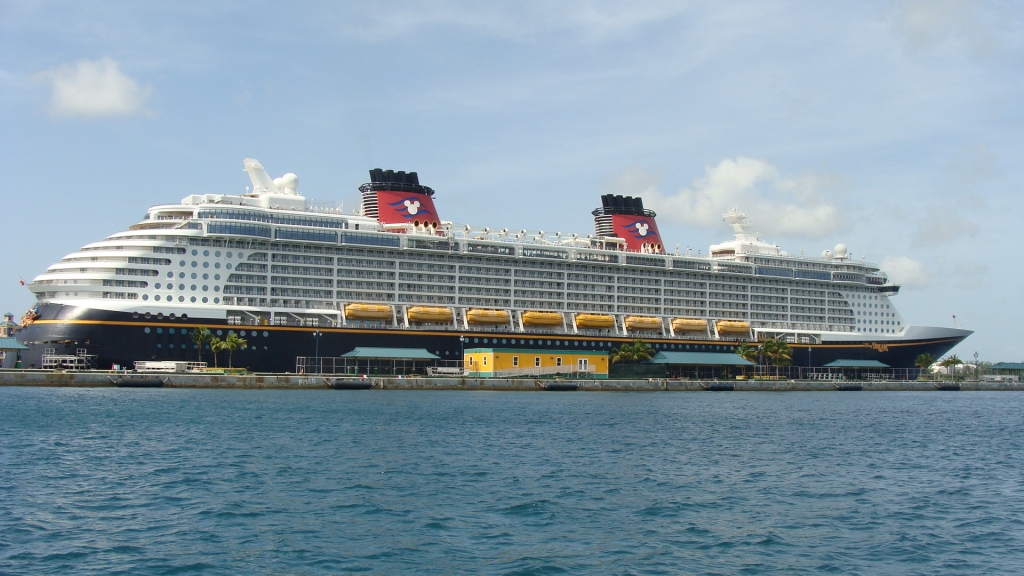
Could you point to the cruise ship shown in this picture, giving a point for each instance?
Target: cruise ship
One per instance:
(296, 279)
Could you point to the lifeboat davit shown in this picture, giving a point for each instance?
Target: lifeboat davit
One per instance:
(643, 323)
(429, 314)
(534, 318)
(689, 325)
(595, 321)
(733, 327)
(368, 312)
(478, 316)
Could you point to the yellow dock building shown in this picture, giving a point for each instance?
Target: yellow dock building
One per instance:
(510, 362)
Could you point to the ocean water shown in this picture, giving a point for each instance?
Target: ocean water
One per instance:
(167, 481)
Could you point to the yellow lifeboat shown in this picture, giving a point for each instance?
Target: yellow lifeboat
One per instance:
(643, 323)
(429, 314)
(478, 316)
(542, 318)
(368, 312)
(733, 327)
(689, 325)
(595, 321)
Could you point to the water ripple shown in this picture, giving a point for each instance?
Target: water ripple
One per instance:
(109, 481)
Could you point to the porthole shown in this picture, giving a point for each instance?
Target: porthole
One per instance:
(206, 253)
(205, 299)
(170, 330)
(503, 341)
(242, 333)
(181, 274)
(145, 296)
(575, 342)
(216, 264)
(265, 334)
(181, 286)
(593, 344)
(216, 276)
(206, 276)
(182, 263)
(192, 299)
(206, 264)
(217, 253)
(194, 252)
(170, 274)
(476, 340)
(485, 340)
(159, 345)
(229, 254)
(159, 330)
(531, 342)
(194, 275)
(194, 263)
(205, 287)
(240, 256)
(148, 315)
(146, 330)
(228, 265)
(549, 342)
(216, 300)
(193, 287)
(220, 332)
(181, 298)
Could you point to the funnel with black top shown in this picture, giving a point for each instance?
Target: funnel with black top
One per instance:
(625, 217)
(399, 198)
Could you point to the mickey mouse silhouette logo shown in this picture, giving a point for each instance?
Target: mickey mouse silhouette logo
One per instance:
(409, 207)
(640, 229)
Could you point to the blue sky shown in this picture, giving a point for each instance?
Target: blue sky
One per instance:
(893, 127)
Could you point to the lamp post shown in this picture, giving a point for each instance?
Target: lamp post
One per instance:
(975, 365)
(462, 353)
(316, 336)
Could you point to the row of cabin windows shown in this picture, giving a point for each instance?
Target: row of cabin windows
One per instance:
(515, 361)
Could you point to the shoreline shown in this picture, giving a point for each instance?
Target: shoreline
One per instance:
(109, 379)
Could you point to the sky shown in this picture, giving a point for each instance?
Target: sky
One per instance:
(893, 127)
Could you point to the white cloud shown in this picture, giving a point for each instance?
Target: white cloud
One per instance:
(928, 24)
(777, 204)
(906, 271)
(592, 21)
(969, 274)
(94, 88)
(971, 165)
(941, 225)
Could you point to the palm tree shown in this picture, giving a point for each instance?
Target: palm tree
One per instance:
(217, 346)
(924, 361)
(747, 351)
(233, 342)
(200, 336)
(637, 351)
(950, 363)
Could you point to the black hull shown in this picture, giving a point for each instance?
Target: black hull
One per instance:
(122, 338)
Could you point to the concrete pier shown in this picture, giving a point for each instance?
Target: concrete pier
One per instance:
(299, 381)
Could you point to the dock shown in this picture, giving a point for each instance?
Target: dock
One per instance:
(329, 381)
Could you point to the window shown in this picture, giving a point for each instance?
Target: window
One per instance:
(470, 360)
(485, 360)
(558, 361)
(515, 361)
(583, 363)
(536, 361)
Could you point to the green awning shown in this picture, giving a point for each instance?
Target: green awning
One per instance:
(1008, 366)
(700, 359)
(11, 344)
(390, 354)
(856, 364)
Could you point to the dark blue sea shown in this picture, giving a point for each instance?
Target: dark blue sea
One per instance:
(169, 481)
